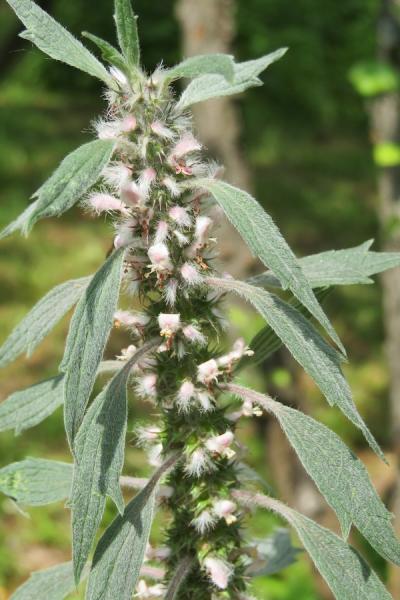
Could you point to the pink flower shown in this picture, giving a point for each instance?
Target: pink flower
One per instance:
(162, 130)
(159, 257)
(117, 175)
(146, 386)
(224, 509)
(171, 186)
(135, 321)
(129, 124)
(180, 216)
(205, 401)
(202, 227)
(185, 145)
(185, 394)
(220, 444)
(133, 195)
(204, 522)
(146, 180)
(208, 371)
(219, 571)
(194, 335)
(161, 232)
(190, 274)
(199, 463)
(108, 130)
(106, 203)
(169, 324)
(170, 292)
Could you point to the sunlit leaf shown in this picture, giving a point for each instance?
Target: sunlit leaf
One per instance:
(41, 319)
(340, 476)
(29, 407)
(306, 345)
(36, 481)
(266, 242)
(50, 37)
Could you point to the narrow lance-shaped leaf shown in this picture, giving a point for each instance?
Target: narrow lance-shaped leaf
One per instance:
(306, 345)
(108, 52)
(99, 457)
(74, 177)
(27, 408)
(87, 337)
(55, 583)
(50, 37)
(266, 342)
(345, 571)
(339, 475)
(120, 551)
(206, 87)
(41, 319)
(36, 481)
(127, 31)
(276, 553)
(339, 267)
(266, 242)
(195, 66)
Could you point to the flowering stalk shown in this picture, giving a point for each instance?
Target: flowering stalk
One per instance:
(157, 185)
(167, 230)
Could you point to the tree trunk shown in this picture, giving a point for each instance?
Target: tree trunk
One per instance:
(208, 26)
(385, 119)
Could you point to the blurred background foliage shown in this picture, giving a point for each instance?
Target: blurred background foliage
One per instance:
(305, 136)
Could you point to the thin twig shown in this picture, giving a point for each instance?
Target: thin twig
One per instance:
(182, 571)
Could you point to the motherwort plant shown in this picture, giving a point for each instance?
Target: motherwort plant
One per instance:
(149, 172)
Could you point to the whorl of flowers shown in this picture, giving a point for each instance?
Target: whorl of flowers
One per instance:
(163, 221)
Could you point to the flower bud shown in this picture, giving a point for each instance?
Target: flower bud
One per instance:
(219, 571)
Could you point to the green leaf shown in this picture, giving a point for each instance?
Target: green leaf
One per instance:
(278, 553)
(99, 453)
(120, 551)
(341, 478)
(108, 52)
(212, 86)
(306, 345)
(41, 319)
(36, 482)
(266, 342)
(266, 242)
(339, 267)
(55, 583)
(196, 66)
(74, 177)
(27, 408)
(127, 32)
(345, 571)
(50, 37)
(88, 334)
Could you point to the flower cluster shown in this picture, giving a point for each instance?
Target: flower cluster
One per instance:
(162, 220)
